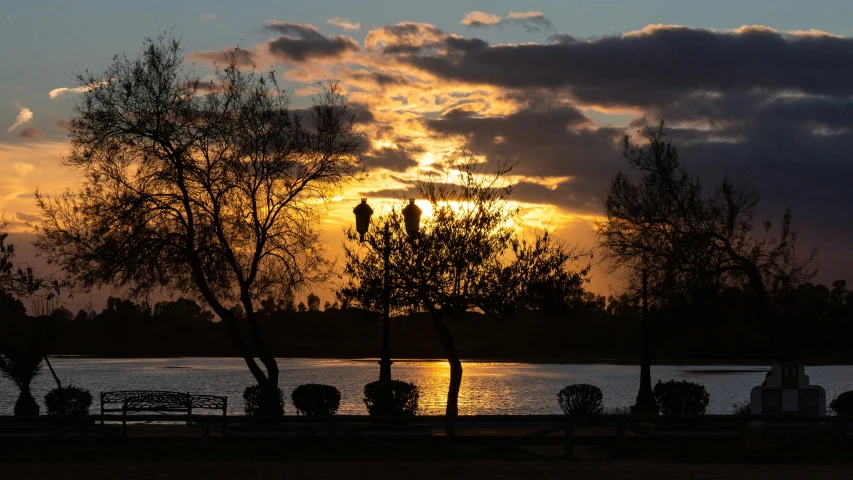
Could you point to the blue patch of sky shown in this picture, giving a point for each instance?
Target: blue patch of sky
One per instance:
(44, 43)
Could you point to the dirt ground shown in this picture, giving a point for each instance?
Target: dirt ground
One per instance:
(404, 470)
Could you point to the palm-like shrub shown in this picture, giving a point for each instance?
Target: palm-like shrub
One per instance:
(252, 402)
(316, 399)
(68, 401)
(21, 366)
(842, 404)
(681, 398)
(391, 398)
(580, 399)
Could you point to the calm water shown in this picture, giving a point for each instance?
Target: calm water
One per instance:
(487, 388)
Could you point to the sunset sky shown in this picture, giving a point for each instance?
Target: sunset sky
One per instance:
(760, 91)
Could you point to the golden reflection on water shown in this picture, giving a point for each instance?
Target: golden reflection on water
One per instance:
(484, 387)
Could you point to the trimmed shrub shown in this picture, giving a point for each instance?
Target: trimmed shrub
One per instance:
(741, 408)
(842, 404)
(316, 399)
(681, 398)
(580, 399)
(252, 402)
(68, 401)
(392, 398)
(617, 411)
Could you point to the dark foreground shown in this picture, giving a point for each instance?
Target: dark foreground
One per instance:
(432, 470)
(353, 447)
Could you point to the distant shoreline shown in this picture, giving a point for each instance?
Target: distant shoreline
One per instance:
(608, 361)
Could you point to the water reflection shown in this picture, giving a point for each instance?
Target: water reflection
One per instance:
(487, 388)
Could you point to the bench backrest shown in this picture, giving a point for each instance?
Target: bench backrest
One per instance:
(138, 400)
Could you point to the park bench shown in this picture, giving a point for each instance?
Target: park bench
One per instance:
(157, 401)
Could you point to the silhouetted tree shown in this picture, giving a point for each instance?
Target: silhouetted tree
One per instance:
(466, 257)
(21, 365)
(182, 310)
(16, 282)
(301, 308)
(313, 303)
(692, 239)
(196, 186)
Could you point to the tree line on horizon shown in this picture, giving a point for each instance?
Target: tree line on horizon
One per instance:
(213, 190)
(818, 320)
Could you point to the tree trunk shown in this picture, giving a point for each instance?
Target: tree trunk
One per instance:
(55, 378)
(270, 404)
(26, 405)
(781, 352)
(449, 346)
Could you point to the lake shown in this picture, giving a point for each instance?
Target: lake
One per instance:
(487, 388)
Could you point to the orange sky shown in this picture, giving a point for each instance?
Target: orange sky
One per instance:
(418, 108)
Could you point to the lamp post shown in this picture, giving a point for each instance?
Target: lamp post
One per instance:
(645, 397)
(411, 217)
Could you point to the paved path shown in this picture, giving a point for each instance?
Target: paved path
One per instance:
(427, 470)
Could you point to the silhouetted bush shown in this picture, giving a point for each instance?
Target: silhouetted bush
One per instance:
(580, 399)
(741, 408)
(617, 411)
(316, 399)
(68, 401)
(252, 402)
(681, 398)
(842, 404)
(391, 398)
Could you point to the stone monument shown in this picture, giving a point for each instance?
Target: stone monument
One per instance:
(786, 391)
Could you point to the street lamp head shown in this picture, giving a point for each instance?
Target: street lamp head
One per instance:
(412, 217)
(362, 213)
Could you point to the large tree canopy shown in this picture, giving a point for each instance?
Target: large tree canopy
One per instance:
(467, 256)
(659, 217)
(203, 184)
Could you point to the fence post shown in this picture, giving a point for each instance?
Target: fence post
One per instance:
(205, 433)
(569, 447)
(332, 439)
(84, 419)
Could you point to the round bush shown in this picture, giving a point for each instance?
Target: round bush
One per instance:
(681, 398)
(253, 407)
(842, 404)
(68, 401)
(580, 399)
(316, 399)
(391, 398)
(741, 408)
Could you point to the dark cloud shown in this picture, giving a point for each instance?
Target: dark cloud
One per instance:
(30, 133)
(361, 113)
(245, 58)
(658, 64)
(396, 159)
(404, 38)
(27, 217)
(559, 141)
(302, 42)
(529, 21)
(61, 124)
(383, 79)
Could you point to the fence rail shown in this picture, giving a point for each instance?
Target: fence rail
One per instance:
(664, 429)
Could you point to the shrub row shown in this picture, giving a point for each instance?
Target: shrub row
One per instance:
(401, 398)
(672, 398)
(394, 398)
